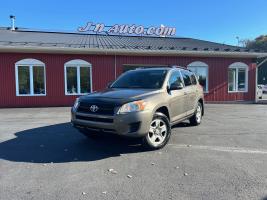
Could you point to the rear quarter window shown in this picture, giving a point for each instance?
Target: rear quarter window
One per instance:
(193, 79)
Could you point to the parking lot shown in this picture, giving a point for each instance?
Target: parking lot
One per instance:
(43, 157)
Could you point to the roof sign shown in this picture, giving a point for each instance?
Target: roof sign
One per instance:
(125, 29)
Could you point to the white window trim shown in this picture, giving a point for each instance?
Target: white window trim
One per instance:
(237, 66)
(29, 63)
(204, 65)
(77, 64)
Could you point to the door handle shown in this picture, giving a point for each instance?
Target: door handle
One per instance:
(185, 93)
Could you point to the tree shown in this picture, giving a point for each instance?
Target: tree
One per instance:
(260, 43)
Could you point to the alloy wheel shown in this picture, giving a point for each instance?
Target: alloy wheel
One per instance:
(198, 113)
(157, 132)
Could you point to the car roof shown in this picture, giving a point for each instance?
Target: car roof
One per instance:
(162, 68)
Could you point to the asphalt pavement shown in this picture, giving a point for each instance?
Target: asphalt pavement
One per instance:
(43, 157)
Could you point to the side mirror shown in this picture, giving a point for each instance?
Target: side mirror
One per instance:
(175, 86)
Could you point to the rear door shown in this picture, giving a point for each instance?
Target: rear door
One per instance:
(177, 98)
(189, 91)
(195, 92)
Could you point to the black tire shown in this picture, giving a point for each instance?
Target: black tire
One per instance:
(195, 120)
(90, 133)
(164, 120)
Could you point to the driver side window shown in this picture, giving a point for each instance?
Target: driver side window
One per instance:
(175, 79)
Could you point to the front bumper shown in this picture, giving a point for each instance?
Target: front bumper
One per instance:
(134, 124)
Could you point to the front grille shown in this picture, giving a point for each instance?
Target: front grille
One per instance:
(103, 108)
(94, 119)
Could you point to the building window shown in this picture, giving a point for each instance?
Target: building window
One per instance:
(238, 77)
(78, 77)
(30, 78)
(201, 71)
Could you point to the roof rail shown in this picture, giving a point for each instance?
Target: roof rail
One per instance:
(139, 68)
(170, 66)
(180, 67)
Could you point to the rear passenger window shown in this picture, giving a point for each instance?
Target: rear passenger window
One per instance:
(186, 77)
(175, 79)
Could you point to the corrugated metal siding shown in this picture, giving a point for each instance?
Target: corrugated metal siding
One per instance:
(103, 69)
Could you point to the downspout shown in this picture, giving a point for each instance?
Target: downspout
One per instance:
(256, 90)
(115, 67)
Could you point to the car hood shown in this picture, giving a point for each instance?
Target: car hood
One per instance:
(120, 95)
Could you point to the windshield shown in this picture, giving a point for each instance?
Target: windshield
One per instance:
(144, 79)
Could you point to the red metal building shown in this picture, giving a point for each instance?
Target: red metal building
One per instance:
(52, 69)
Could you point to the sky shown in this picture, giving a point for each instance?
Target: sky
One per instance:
(213, 20)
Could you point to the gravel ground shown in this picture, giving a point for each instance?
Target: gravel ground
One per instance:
(43, 157)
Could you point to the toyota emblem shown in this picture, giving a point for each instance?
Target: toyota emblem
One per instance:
(94, 108)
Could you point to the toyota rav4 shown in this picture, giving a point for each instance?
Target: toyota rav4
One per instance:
(142, 103)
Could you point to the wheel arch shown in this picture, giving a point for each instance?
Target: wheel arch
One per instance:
(164, 110)
(202, 103)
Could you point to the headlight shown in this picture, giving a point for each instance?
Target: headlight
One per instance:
(132, 107)
(76, 104)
